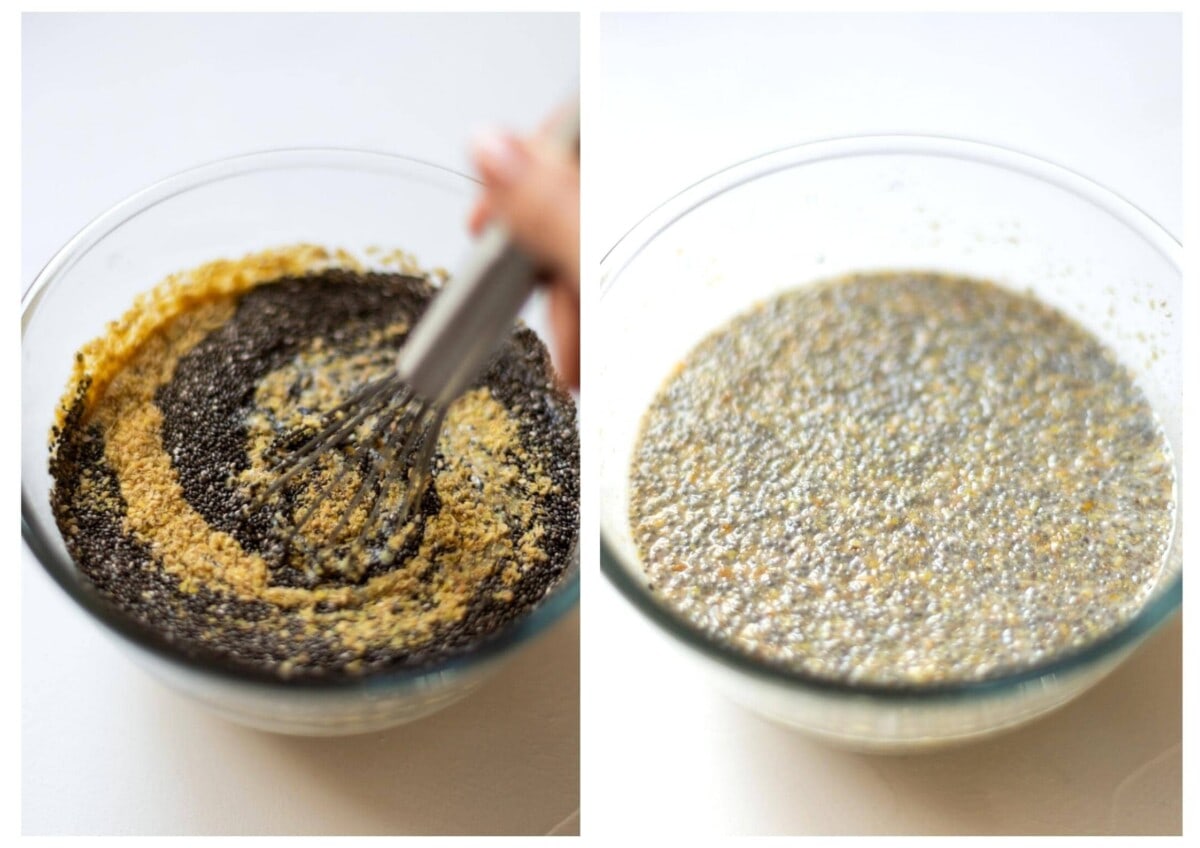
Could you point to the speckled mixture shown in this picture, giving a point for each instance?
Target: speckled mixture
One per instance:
(180, 411)
(902, 479)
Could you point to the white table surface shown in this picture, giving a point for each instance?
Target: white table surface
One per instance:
(681, 98)
(113, 103)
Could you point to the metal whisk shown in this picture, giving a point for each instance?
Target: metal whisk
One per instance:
(391, 424)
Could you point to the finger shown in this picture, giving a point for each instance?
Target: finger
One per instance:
(563, 311)
(481, 213)
(548, 130)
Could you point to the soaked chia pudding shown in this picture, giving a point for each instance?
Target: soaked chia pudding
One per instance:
(902, 479)
(177, 416)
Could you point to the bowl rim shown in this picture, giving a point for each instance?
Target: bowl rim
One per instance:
(1157, 610)
(561, 598)
(628, 246)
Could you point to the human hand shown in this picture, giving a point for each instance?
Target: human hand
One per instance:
(532, 185)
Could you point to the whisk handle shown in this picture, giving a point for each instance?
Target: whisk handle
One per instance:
(465, 323)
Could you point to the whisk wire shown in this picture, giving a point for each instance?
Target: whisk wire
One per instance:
(370, 400)
(419, 472)
(382, 456)
(419, 428)
(333, 485)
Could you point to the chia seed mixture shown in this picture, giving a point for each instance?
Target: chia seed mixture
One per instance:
(901, 478)
(182, 409)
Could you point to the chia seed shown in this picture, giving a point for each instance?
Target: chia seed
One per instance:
(233, 600)
(902, 479)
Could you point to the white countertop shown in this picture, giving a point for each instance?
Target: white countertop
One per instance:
(113, 103)
(684, 97)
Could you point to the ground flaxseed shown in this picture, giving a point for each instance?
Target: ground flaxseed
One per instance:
(173, 416)
(902, 479)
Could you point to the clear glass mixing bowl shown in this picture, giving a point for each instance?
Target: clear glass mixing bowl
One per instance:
(818, 210)
(335, 198)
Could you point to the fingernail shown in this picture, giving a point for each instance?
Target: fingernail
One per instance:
(498, 156)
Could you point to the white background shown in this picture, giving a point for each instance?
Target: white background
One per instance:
(681, 97)
(113, 103)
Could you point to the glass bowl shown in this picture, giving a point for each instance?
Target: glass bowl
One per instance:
(816, 211)
(334, 198)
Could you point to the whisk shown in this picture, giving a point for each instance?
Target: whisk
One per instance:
(390, 425)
